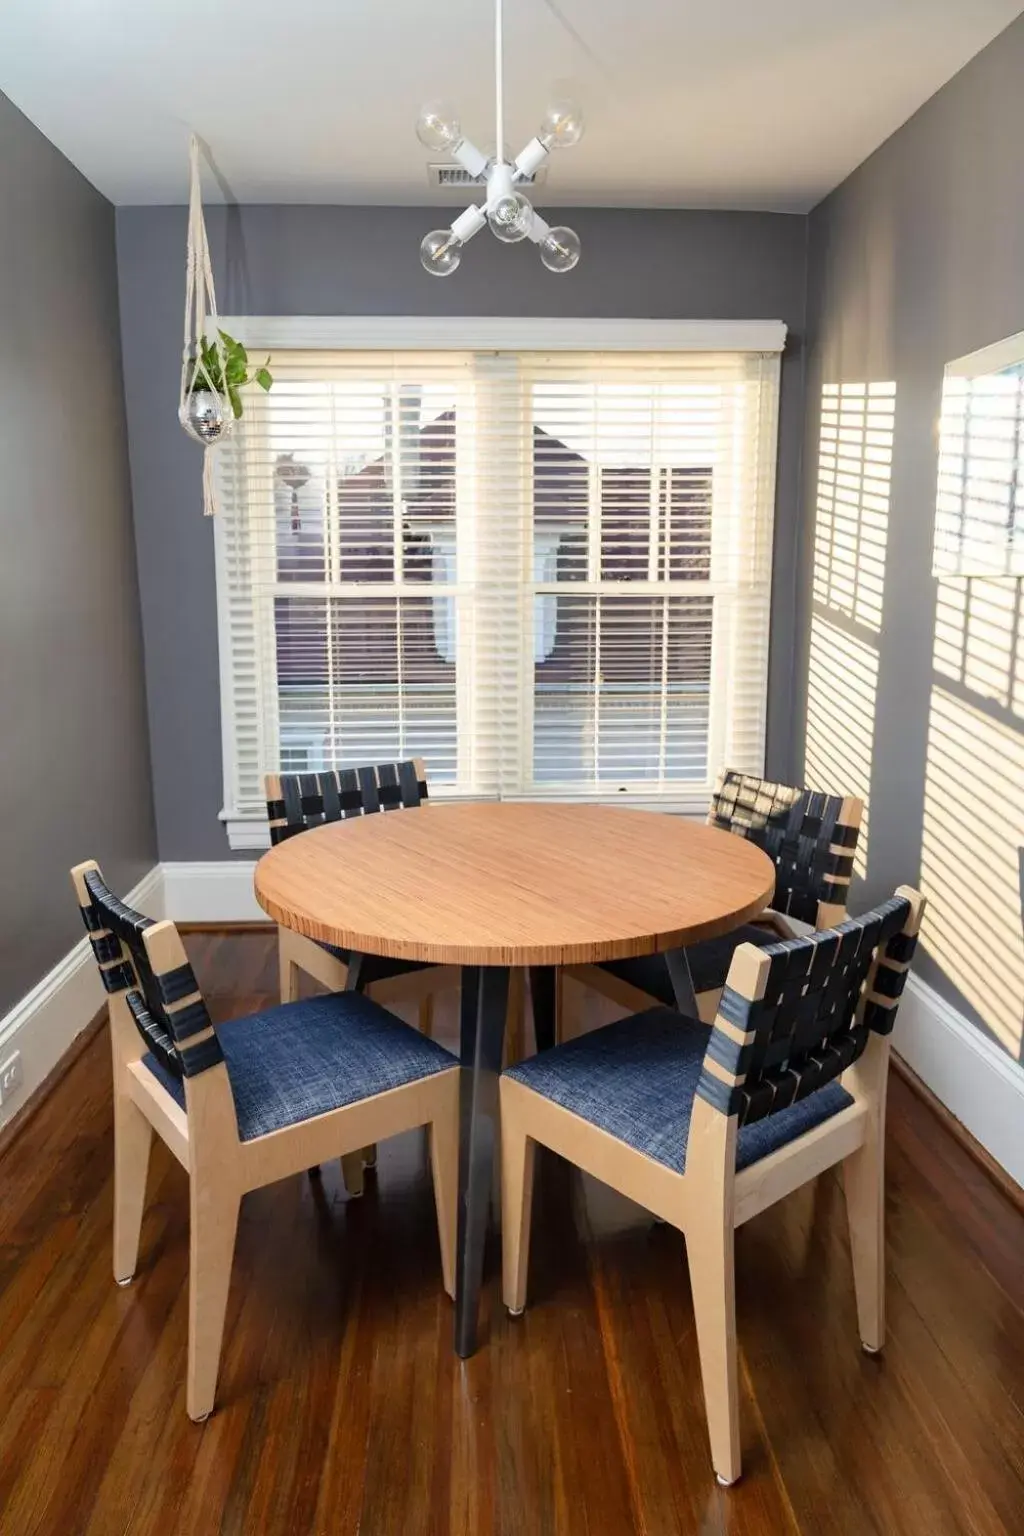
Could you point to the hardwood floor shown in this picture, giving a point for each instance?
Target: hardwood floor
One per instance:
(343, 1409)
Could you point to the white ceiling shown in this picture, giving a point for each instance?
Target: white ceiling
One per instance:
(691, 103)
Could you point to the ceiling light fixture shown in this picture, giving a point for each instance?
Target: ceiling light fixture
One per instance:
(511, 216)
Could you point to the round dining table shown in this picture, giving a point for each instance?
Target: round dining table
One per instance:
(493, 886)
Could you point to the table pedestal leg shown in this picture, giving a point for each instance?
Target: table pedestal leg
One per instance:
(682, 981)
(542, 996)
(483, 1009)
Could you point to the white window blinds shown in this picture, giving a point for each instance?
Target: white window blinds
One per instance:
(979, 517)
(544, 573)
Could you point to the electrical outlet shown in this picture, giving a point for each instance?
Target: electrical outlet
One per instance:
(10, 1076)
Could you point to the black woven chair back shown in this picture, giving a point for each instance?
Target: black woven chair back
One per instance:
(811, 1022)
(115, 932)
(298, 801)
(807, 835)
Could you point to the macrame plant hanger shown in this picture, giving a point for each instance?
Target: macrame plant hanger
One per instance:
(203, 411)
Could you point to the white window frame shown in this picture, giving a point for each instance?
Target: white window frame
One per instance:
(264, 333)
(958, 555)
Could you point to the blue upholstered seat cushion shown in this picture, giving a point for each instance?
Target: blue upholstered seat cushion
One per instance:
(637, 1078)
(709, 964)
(304, 1059)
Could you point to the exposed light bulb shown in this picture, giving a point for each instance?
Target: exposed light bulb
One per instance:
(440, 252)
(510, 217)
(560, 249)
(438, 127)
(562, 125)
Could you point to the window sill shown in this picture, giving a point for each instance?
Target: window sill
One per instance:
(251, 833)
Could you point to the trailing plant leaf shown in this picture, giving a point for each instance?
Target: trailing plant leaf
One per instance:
(225, 370)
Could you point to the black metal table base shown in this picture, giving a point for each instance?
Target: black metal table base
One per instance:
(682, 981)
(542, 997)
(483, 1008)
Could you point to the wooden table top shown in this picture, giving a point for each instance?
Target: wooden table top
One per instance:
(514, 884)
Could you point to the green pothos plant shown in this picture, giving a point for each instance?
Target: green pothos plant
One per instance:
(226, 370)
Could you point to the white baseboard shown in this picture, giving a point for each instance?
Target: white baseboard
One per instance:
(978, 1083)
(47, 1020)
(218, 892)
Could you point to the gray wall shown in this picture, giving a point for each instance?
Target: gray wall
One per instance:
(294, 260)
(918, 258)
(74, 759)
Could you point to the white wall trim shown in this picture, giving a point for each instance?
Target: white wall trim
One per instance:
(45, 1023)
(217, 892)
(486, 333)
(980, 1084)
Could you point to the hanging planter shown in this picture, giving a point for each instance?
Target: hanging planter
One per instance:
(219, 372)
(214, 366)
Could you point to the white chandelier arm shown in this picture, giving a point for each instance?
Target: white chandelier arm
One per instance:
(539, 228)
(469, 223)
(470, 158)
(530, 159)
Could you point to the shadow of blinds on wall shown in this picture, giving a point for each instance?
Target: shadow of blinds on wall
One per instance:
(545, 574)
(851, 530)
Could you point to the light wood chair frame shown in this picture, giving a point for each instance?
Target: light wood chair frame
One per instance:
(296, 952)
(221, 1167)
(711, 1199)
(829, 912)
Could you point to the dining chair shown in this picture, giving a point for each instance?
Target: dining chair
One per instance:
(297, 802)
(811, 838)
(705, 1127)
(248, 1102)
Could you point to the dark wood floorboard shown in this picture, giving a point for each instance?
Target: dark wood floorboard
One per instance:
(343, 1409)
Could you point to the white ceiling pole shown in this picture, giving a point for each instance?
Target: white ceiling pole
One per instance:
(499, 95)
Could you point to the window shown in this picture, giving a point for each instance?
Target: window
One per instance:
(544, 572)
(979, 517)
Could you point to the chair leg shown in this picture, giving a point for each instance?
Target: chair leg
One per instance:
(444, 1164)
(709, 1252)
(864, 1181)
(570, 1012)
(352, 1172)
(214, 1214)
(707, 1005)
(518, 1154)
(133, 1137)
(426, 1015)
(289, 974)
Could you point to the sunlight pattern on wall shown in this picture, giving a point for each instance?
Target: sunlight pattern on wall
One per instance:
(973, 843)
(850, 533)
(979, 639)
(841, 692)
(854, 480)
